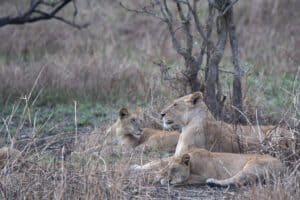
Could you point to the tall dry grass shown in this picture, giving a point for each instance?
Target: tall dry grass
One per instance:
(86, 166)
(268, 34)
(89, 63)
(110, 54)
(111, 61)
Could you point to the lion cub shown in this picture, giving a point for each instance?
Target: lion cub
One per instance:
(200, 166)
(130, 132)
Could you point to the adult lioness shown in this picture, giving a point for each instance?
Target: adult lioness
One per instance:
(200, 166)
(201, 130)
(131, 133)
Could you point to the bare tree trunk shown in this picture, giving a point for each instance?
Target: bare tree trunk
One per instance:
(209, 46)
(191, 73)
(213, 96)
(183, 16)
(237, 85)
(225, 24)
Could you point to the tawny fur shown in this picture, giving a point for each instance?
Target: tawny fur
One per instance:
(200, 166)
(130, 132)
(201, 130)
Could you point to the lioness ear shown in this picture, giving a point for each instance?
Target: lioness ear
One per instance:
(139, 110)
(185, 159)
(196, 97)
(123, 113)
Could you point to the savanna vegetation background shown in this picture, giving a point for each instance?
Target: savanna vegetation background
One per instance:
(60, 88)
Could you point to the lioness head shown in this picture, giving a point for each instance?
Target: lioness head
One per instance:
(129, 124)
(184, 109)
(177, 172)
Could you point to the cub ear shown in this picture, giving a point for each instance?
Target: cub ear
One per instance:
(123, 113)
(195, 97)
(185, 159)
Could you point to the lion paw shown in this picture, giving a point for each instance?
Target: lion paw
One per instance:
(135, 167)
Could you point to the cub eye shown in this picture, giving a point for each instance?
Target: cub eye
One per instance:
(175, 104)
(133, 120)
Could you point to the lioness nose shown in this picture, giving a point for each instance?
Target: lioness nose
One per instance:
(162, 114)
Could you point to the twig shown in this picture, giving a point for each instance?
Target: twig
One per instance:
(228, 7)
(75, 121)
(85, 25)
(143, 10)
(35, 13)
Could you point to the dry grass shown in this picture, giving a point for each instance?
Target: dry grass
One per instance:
(89, 169)
(86, 63)
(111, 62)
(80, 64)
(92, 167)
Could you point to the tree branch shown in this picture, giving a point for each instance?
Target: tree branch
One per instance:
(166, 17)
(63, 20)
(209, 26)
(229, 7)
(35, 13)
(169, 20)
(237, 85)
(187, 27)
(214, 99)
(196, 19)
(143, 10)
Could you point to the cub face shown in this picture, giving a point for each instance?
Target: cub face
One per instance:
(181, 110)
(130, 123)
(177, 172)
(280, 138)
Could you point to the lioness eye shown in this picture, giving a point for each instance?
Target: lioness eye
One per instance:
(175, 104)
(133, 120)
(173, 170)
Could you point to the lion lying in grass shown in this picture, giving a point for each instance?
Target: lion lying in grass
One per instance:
(131, 133)
(201, 130)
(200, 166)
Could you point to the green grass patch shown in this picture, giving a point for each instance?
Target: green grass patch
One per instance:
(52, 119)
(274, 94)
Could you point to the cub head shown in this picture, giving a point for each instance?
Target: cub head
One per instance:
(129, 124)
(182, 110)
(280, 139)
(177, 172)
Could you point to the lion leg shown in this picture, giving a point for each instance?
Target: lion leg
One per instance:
(154, 169)
(251, 173)
(152, 166)
(152, 145)
(236, 180)
(183, 146)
